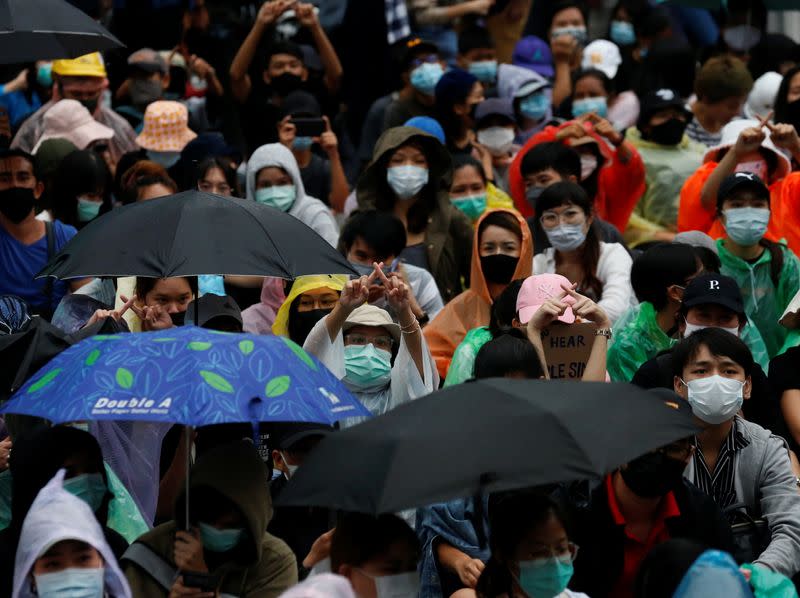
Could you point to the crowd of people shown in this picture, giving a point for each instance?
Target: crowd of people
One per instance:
(498, 173)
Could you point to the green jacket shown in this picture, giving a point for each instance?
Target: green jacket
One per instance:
(666, 169)
(463, 363)
(763, 303)
(261, 566)
(638, 339)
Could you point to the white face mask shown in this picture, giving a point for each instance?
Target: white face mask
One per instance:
(292, 468)
(715, 399)
(406, 181)
(690, 328)
(588, 165)
(498, 140)
(566, 237)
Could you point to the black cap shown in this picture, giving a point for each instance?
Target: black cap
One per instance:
(301, 103)
(286, 47)
(714, 288)
(657, 100)
(412, 47)
(213, 307)
(738, 181)
(283, 436)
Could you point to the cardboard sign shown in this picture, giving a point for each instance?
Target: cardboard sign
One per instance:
(567, 349)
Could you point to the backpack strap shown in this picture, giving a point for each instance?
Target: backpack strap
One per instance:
(776, 261)
(50, 235)
(144, 556)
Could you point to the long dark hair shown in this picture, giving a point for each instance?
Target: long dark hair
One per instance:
(568, 193)
(781, 102)
(82, 171)
(222, 164)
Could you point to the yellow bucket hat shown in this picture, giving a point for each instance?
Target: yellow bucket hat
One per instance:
(303, 284)
(88, 65)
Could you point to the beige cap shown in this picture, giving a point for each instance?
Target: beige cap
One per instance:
(369, 315)
(69, 119)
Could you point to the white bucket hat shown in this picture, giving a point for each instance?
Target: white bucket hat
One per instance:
(730, 133)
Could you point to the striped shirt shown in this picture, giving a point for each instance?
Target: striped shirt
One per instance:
(720, 484)
(697, 133)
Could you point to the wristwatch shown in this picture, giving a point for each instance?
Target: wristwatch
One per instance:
(606, 332)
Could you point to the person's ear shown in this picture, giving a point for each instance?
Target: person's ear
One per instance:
(266, 77)
(461, 109)
(277, 458)
(572, 178)
(516, 323)
(38, 189)
(679, 387)
(304, 74)
(747, 389)
(675, 293)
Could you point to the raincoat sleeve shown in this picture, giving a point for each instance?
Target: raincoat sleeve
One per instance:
(789, 207)
(614, 270)
(620, 187)
(497, 198)
(407, 384)
(691, 213)
(629, 347)
(789, 283)
(463, 363)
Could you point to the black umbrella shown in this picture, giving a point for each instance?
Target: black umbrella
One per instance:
(194, 233)
(495, 434)
(46, 29)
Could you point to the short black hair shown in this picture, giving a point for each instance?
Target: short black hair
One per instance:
(463, 160)
(509, 353)
(607, 83)
(661, 267)
(284, 47)
(564, 160)
(474, 38)
(709, 259)
(564, 193)
(380, 230)
(18, 153)
(360, 537)
(504, 308)
(564, 5)
(719, 342)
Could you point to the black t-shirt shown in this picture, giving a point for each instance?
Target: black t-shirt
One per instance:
(317, 178)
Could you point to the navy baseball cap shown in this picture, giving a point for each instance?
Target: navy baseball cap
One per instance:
(741, 180)
(714, 288)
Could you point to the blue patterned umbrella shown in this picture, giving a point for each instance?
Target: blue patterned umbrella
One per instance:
(185, 375)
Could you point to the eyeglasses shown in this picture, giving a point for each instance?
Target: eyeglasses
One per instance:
(568, 216)
(559, 552)
(324, 302)
(219, 189)
(423, 59)
(379, 342)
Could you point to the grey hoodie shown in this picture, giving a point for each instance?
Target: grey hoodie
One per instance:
(308, 210)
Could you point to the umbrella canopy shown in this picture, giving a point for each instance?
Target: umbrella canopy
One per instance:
(723, 4)
(46, 29)
(194, 233)
(489, 435)
(185, 375)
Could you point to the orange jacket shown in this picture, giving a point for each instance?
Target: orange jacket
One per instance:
(472, 308)
(784, 203)
(619, 186)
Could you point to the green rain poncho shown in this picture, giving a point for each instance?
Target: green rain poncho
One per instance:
(464, 356)
(763, 303)
(639, 338)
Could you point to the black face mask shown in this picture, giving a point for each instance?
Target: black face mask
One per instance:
(90, 104)
(178, 318)
(301, 323)
(285, 83)
(16, 203)
(499, 268)
(653, 474)
(792, 114)
(669, 132)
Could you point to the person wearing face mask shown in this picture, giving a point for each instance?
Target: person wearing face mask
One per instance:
(713, 300)
(596, 80)
(787, 100)
(737, 461)
(299, 527)
(409, 177)
(669, 157)
(166, 132)
(644, 503)
(69, 120)
(457, 96)
(530, 95)
(27, 244)
(25, 93)
(601, 270)
(273, 179)
(147, 82)
(81, 188)
(382, 363)
(568, 36)
(63, 551)
(309, 299)
(496, 130)
(502, 252)
(420, 67)
(768, 273)
(472, 193)
(229, 511)
(658, 277)
(477, 55)
(82, 79)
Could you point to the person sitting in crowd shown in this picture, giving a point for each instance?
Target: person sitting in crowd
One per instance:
(421, 68)
(70, 120)
(471, 192)
(148, 80)
(146, 180)
(496, 129)
(593, 92)
(457, 95)
(81, 189)
(25, 93)
(502, 252)
(406, 178)
(530, 95)
(478, 56)
(736, 461)
(309, 299)
(371, 237)
(226, 542)
(567, 34)
(622, 104)
(166, 132)
(216, 175)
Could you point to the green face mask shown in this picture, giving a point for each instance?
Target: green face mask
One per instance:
(472, 205)
(89, 487)
(219, 540)
(366, 366)
(280, 197)
(88, 209)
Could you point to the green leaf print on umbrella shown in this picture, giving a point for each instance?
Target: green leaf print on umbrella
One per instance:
(199, 346)
(246, 347)
(300, 352)
(277, 386)
(124, 378)
(92, 357)
(216, 381)
(44, 380)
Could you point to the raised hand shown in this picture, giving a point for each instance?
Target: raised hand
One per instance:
(548, 312)
(587, 309)
(397, 292)
(270, 11)
(604, 128)
(750, 139)
(116, 314)
(356, 292)
(287, 131)
(328, 140)
(153, 317)
(784, 136)
(306, 15)
(188, 552)
(563, 48)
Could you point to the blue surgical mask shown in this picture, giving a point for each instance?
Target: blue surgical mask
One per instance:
(425, 77)
(88, 209)
(746, 226)
(579, 33)
(533, 194)
(71, 583)
(535, 106)
(472, 205)
(302, 143)
(280, 197)
(566, 237)
(44, 75)
(367, 367)
(598, 105)
(89, 487)
(485, 71)
(165, 159)
(406, 181)
(545, 578)
(219, 540)
(622, 33)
